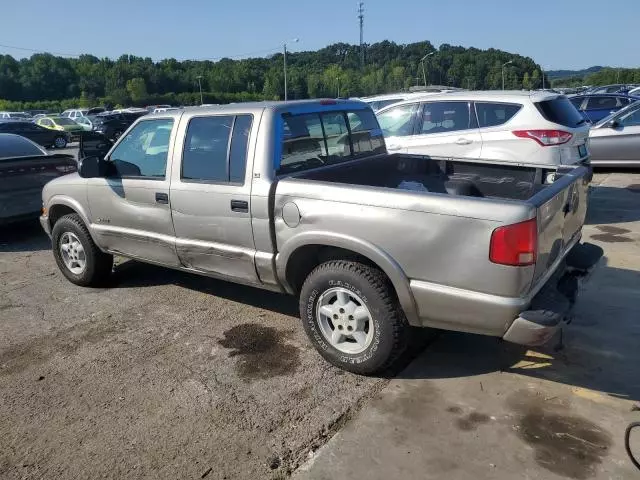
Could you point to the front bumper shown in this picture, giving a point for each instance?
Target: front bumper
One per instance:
(44, 221)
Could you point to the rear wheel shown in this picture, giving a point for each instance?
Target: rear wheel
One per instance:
(351, 315)
(78, 257)
(60, 142)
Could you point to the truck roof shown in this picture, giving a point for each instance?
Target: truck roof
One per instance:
(278, 106)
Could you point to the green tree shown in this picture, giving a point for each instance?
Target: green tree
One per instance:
(137, 89)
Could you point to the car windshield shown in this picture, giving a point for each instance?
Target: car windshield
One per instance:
(63, 121)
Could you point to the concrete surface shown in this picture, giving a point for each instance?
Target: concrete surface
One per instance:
(472, 407)
(168, 375)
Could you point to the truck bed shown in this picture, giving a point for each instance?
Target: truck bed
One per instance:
(443, 176)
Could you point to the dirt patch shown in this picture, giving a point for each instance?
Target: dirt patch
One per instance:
(455, 410)
(613, 230)
(472, 421)
(612, 234)
(262, 352)
(564, 444)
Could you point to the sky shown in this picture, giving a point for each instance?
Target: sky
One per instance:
(557, 34)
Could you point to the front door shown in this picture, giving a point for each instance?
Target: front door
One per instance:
(446, 129)
(130, 208)
(618, 144)
(397, 124)
(211, 195)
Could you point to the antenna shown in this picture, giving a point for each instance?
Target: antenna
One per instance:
(361, 18)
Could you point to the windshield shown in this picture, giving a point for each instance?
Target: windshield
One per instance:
(314, 139)
(63, 121)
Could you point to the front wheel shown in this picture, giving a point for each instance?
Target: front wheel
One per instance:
(60, 142)
(351, 315)
(78, 257)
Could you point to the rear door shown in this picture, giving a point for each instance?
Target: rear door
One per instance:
(602, 106)
(498, 142)
(211, 195)
(447, 129)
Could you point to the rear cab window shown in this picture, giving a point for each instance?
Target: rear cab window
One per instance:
(311, 140)
(561, 111)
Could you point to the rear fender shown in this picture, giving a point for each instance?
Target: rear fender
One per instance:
(387, 264)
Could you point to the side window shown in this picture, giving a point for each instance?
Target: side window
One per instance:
(577, 102)
(622, 102)
(215, 148)
(631, 119)
(494, 114)
(398, 121)
(144, 150)
(595, 103)
(443, 117)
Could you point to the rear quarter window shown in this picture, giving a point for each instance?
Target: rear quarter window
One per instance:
(494, 114)
(561, 111)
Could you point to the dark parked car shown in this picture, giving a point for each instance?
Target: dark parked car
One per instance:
(596, 107)
(25, 168)
(112, 125)
(42, 136)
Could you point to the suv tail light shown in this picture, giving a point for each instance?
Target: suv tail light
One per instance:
(545, 138)
(515, 245)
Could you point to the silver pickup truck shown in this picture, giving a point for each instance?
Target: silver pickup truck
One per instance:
(303, 198)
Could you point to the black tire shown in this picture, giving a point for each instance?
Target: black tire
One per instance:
(60, 142)
(98, 264)
(373, 287)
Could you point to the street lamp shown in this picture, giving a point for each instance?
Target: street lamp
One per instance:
(294, 40)
(199, 77)
(504, 65)
(424, 71)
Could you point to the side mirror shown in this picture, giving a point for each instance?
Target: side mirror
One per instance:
(92, 167)
(613, 124)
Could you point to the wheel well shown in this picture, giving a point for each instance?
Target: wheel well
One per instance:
(57, 212)
(306, 258)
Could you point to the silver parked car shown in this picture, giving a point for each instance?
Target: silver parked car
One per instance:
(615, 140)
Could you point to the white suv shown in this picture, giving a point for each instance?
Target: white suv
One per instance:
(524, 127)
(74, 113)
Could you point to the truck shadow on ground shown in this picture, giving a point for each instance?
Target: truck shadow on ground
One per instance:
(599, 348)
(132, 274)
(23, 237)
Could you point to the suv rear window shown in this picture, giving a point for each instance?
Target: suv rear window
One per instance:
(494, 114)
(311, 140)
(561, 111)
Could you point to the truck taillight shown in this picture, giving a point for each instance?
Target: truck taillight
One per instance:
(515, 245)
(546, 138)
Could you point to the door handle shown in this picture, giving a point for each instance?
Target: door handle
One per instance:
(162, 197)
(463, 141)
(393, 148)
(240, 206)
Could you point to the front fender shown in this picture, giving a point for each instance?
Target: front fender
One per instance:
(380, 258)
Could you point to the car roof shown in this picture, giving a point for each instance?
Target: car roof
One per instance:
(482, 95)
(598, 95)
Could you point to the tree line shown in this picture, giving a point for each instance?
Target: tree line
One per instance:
(605, 76)
(52, 82)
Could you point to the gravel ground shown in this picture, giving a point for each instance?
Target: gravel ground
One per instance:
(161, 375)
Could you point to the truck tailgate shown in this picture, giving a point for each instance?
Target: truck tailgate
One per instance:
(562, 208)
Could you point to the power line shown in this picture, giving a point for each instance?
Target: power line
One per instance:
(40, 51)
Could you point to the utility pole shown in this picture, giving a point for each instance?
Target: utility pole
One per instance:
(504, 65)
(542, 70)
(199, 77)
(294, 40)
(424, 70)
(361, 18)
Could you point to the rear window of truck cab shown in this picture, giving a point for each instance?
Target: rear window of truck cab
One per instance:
(310, 140)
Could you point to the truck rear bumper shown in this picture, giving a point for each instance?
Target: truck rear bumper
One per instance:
(528, 320)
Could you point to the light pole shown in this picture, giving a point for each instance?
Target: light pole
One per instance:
(294, 40)
(424, 71)
(199, 77)
(504, 65)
